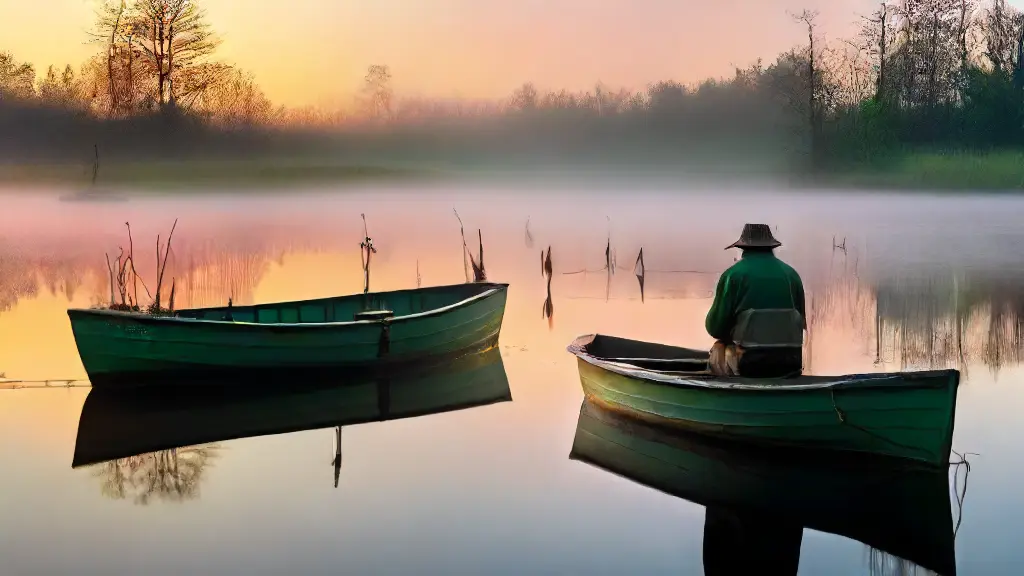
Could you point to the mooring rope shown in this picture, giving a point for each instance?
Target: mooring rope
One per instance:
(842, 420)
(957, 493)
(51, 383)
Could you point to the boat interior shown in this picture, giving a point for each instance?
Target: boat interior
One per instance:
(375, 305)
(648, 356)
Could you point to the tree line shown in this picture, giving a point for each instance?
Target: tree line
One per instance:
(944, 74)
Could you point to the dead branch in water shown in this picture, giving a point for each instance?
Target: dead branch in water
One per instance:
(127, 275)
(110, 270)
(131, 256)
(479, 273)
(161, 265)
(529, 236)
(465, 248)
(124, 267)
(366, 250)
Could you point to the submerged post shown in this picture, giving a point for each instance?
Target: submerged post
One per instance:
(366, 249)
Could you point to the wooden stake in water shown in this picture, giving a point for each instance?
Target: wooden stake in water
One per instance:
(548, 310)
(336, 462)
(366, 250)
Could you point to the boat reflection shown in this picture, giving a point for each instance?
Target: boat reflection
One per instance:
(151, 440)
(758, 503)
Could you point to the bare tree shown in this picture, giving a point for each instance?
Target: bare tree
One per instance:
(808, 18)
(875, 40)
(377, 88)
(116, 29)
(524, 98)
(174, 40)
(16, 79)
(234, 100)
(111, 53)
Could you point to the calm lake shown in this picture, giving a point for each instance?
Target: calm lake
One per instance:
(917, 282)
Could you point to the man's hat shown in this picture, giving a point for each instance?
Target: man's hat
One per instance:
(756, 236)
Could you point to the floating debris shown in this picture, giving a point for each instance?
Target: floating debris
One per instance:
(529, 236)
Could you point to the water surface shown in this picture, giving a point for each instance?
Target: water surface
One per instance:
(919, 282)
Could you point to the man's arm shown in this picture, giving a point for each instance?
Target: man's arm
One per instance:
(719, 322)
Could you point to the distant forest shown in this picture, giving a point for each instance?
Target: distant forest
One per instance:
(945, 75)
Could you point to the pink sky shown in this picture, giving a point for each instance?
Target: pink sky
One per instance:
(316, 51)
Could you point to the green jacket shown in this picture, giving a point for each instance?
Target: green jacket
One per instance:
(758, 281)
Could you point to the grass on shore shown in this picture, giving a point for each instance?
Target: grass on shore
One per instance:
(1001, 170)
(910, 170)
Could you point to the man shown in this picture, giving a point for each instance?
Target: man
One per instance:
(758, 315)
(747, 541)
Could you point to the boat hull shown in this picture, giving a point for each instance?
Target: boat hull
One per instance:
(119, 349)
(903, 415)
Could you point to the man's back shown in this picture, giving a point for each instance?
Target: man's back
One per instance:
(758, 281)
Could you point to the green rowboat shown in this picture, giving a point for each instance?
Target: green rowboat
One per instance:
(365, 331)
(906, 415)
(758, 501)
(118, 424)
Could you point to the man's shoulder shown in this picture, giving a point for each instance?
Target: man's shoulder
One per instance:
(738, 267)
(789, 269)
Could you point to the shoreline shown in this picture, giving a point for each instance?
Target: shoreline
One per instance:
(927, 173)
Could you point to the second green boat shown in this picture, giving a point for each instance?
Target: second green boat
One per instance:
(907, 415)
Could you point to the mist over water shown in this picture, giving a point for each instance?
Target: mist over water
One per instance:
(922, 283)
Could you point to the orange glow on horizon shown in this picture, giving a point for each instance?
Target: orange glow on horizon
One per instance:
(316, 52)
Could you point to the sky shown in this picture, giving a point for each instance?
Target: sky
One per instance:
(315, 52)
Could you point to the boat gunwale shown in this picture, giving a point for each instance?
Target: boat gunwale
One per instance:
(148, 318)
(926, 378)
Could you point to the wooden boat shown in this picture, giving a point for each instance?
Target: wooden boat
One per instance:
(122, 423)
(372, 331)
(774, 494)
(905, 415)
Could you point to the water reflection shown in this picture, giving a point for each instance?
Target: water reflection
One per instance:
(156, 441)
(168, 475)
(506, 486)
(758, 503)
(548, 311)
